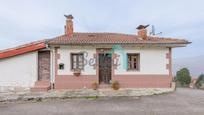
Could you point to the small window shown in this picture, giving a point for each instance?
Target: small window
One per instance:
(133, 61)
(77, 61)
(61, 66)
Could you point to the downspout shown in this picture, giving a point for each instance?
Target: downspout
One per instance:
(52, 58)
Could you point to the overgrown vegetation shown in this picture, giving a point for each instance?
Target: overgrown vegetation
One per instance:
(183, 77)
(199, 81)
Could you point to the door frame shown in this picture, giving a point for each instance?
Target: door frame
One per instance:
(103, 51)
(38, 64)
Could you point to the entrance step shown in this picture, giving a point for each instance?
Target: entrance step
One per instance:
(104, 86)
(41, 86)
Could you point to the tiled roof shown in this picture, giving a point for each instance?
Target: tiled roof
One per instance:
(22, 49)
(88, 38)
(100, 38)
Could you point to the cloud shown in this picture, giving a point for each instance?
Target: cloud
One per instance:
(23, 21)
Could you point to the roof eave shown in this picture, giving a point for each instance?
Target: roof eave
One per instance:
(138, 44)
(22, 50)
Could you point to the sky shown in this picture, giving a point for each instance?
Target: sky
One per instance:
(24, 21)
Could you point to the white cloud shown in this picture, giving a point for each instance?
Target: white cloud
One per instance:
(29, 20)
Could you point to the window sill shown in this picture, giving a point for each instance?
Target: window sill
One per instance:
(72, 70)
(133, 70)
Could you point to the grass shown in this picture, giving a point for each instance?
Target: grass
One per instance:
(91, 97)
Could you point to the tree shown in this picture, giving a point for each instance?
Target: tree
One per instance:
(183, 77)
(199, 81)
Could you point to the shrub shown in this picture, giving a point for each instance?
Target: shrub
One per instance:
(183, 77)
(115, 85)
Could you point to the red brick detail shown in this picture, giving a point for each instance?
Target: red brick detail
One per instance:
(167, 55)
(22, 49)
(170, 61)
(142, 33)
(74, 82)
(143, 81)
(57, 56)
(69, 28)
(95, 57)
(114, 58)
(169, 65)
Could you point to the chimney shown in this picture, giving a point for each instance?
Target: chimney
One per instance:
(69, 31)
(142, 31)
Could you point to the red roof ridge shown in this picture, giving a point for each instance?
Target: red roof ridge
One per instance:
(112, 33)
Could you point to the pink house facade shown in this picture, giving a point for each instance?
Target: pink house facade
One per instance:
(75, 60)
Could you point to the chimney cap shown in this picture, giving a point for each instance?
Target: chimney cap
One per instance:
(69, 16)
(142, 26)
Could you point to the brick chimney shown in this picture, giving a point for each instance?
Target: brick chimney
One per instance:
(69, 29)
(142, 31)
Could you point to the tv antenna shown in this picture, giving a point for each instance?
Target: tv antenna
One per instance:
(153, 31)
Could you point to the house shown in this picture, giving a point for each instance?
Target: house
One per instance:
(193, 82)
(75, 60)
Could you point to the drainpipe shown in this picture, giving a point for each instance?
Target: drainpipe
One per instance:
(52, 67)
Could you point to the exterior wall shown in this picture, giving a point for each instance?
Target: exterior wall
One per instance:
(64, 79)
(152, 61)
(64, 53)
(155, 68)
(19, 71)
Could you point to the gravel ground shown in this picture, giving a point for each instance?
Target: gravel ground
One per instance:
(181, 102)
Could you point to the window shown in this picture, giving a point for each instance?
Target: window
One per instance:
(133, 61)
(77, 61)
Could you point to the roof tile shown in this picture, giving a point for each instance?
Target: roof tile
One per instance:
(86, 38)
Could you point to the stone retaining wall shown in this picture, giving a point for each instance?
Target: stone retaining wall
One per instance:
(82, 93)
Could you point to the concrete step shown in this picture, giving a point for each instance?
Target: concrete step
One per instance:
(104, 86)
(42, 83)
(41, 86)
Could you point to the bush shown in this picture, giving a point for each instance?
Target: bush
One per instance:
(199, 81)
(115, 85)
(183, 77)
